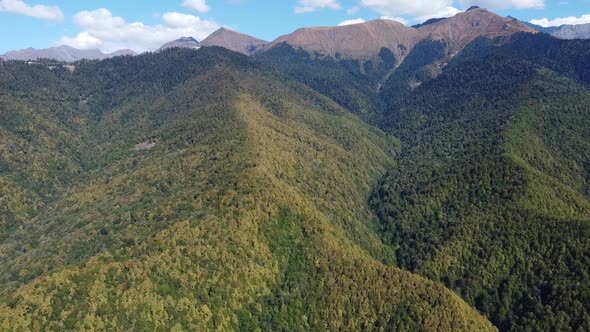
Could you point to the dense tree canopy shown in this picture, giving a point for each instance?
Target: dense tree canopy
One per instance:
(491, 193)
(193, 190)
(202, 189)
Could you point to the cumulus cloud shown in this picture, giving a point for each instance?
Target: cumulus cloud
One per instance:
(545, 22)
(504, 4)
(351, 22)
(100, 29)
(52, 13)
(178, 20)
(198, 5)
(410, 8)
(445, 12)
(397, 19)
(353, 10)
(422, 10)
(305, 6)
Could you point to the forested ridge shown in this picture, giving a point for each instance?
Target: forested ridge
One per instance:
(210, 197)
(207, 190)
(487, 200)
(490, 194)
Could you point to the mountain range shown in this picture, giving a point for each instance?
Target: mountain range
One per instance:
(223, 37)
(566, 31)
(359, 178)
(363, 40)
(62, 53)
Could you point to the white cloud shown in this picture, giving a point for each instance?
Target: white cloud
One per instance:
(306, 6)
(52, 13)
(84, 41)
(198, 5)
(411, 8)
(545, 22)
(100, 29)
(445, 12)
(397, 19)
(179, 20)
(353, 10)
(422, 10)
(351, 22)
(504, 4)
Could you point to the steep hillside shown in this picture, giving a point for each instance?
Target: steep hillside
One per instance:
(463, 28)
(366, 40)
(358, 41)
(365, 83)
(567, 31)
(442, 185)
(567, 57)
(213, 197)
(491, 193)
(581, 31)
(353, 84)
(234, 41)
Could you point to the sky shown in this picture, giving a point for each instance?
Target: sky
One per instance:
(144, 25)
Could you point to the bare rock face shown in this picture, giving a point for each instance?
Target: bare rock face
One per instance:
(234, 41)
(62, 53)
(363, 40)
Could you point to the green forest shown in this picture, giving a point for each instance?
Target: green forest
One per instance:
(207, 190)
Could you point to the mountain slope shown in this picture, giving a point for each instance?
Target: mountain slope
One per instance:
(547, 30)
(490, 197)
(234, 41)
(184, 42)
(357, 41)
(62, 53)
(581, 31)
(350, 83)
(366, 40)
(463, 28)
(215, 197)
(566, 57)
(364, 84)
(566, 31)
(204, 189)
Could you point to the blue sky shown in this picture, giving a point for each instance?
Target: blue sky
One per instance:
(144, 25)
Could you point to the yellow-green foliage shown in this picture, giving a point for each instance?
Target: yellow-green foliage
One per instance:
(548, 141)
(250, 211)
